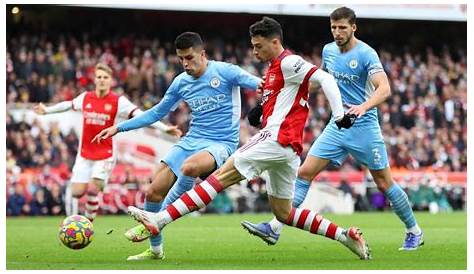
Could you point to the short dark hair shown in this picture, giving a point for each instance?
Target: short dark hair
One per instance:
(344, 13)
(187, 40)
(267, 27)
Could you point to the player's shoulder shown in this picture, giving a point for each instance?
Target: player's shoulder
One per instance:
(293, 63)
(220, 66)
(365, 48)
(330, 47)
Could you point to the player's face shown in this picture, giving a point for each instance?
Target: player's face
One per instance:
(103, 80)
(193, 60)
(264, 49)
(342, 31)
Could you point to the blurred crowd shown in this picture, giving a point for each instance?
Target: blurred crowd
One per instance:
(424, 121)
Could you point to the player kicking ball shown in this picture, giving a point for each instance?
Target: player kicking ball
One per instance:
(276, 148)
(359, 72)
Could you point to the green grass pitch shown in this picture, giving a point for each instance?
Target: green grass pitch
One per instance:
(219, 242)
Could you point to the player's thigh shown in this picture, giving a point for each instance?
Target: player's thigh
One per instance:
(330, 145)
(311, 167)
(367, 146)
(175, 159)
(202, 163)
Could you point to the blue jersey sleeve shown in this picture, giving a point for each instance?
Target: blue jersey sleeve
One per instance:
(323, 58)
(242, 78)
(156, 113)
(372, 62)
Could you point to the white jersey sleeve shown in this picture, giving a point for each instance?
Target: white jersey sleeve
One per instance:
(125, 108)
(78, 102)
(295, 69)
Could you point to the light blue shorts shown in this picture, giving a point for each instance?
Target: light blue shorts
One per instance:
(183, 150)
(364, 142)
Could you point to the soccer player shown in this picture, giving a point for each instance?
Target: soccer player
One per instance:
(276, 148)
(100, 108)
(364, 85)
(212, 91)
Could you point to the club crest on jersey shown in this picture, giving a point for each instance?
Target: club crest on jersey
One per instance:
(353, 63)
(271, 78)
(215, 82)
(108, 107)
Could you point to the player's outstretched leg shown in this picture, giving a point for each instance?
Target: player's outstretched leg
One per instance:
(198, 197)
(310, 221)
(270, 232)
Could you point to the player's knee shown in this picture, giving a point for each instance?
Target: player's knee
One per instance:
(383, 185)
(189, 169)
(78, 193)
(305, 173)
(93, 189)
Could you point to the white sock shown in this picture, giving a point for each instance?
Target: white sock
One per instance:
(341, 237)
(276, 225)
(415, 230)
(157, 249)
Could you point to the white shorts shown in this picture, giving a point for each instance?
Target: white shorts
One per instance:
(84, 170)
(260, 154)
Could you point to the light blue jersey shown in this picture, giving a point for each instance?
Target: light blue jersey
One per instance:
(214, 99)
(352, 71)
(364, 141)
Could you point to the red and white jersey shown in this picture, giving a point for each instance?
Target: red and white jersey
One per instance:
(100, 113)
(285, 99)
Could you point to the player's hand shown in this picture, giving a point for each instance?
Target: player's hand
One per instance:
(39, 109)
(346, 121)
(254, 116)
(104, 134)
(174, 131)
(358, 110)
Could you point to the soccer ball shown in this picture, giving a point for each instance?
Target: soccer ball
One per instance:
(76, 232)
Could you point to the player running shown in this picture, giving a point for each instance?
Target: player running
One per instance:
(100, 109)
(364, 85)
(276, 148)
(212, 91)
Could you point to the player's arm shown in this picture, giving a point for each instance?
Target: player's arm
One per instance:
(244, 79)
(128, 110)
(162, 127)
(152, 115)
(64, 106)
(381, 93)
(331, 91)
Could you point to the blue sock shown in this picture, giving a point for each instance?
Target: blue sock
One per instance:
(301, 189)
(401, 205)
(153, 207)
(181, 185)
